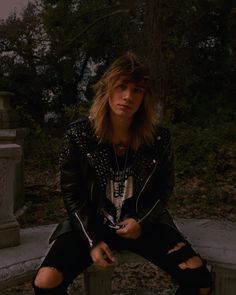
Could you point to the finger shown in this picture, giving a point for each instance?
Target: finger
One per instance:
(108, 253)
(96, 253)
(122, 231)
(125, 222)
(125, 236)
(100, 259)
(101, 263)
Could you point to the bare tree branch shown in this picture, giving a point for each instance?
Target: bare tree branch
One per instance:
(71, 42)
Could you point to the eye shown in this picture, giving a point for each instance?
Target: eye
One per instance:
(139, 90)
(122, 86)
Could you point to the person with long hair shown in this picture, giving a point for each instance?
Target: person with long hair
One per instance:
(117, 174)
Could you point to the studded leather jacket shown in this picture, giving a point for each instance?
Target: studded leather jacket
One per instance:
(84, 172)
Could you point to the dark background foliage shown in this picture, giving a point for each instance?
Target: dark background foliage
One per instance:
(52, 54)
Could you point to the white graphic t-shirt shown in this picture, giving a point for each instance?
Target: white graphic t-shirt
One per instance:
(119, 189)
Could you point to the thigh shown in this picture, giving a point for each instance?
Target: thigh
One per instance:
(69, 254)
(156, 242)
(155, 245)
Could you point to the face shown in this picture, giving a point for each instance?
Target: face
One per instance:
(126, 98)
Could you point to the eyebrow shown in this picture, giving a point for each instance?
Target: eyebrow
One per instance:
(139, 84)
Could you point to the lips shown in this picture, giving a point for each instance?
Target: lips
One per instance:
(124, 106)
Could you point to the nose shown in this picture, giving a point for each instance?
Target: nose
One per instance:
(128, 95)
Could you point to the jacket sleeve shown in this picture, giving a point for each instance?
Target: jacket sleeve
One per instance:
(162, 187)
(75, 189)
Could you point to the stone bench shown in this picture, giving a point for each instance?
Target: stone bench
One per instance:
(214, 240)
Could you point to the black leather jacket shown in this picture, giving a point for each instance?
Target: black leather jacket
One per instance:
(84, 173)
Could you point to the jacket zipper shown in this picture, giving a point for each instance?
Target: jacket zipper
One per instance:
(149, 212)
(153, 170)
(83, 228)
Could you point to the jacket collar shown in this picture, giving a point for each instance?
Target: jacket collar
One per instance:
(100, 160)
(99, 156)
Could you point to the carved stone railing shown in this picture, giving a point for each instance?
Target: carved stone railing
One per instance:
(9, 227)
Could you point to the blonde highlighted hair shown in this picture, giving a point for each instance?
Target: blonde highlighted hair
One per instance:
(130, 68)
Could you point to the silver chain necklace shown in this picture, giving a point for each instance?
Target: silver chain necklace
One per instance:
(121, 184)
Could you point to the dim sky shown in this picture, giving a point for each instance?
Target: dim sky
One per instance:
(8, 6)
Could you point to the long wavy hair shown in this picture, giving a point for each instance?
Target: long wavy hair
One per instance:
(130, 68)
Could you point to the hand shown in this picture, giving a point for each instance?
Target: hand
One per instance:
(130, 229)
(101, 255)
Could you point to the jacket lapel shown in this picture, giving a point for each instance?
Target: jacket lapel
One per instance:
(100, 160)
(142, 168)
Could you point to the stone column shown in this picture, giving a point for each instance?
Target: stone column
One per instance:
(10, 134)
(9, 227)
(224, 278)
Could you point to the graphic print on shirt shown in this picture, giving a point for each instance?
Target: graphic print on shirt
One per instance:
(119, 189)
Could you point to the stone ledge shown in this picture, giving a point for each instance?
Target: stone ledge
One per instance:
(17, 273)
(10, 151)
(9, 233)
(19, 263)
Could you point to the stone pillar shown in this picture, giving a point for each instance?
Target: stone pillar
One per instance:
(19, 189)
(9, 227)
(9, 135)
(224, 275)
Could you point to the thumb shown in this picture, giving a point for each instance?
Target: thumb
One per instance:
(124, 222)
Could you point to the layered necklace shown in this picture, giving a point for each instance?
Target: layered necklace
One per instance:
(120, 150)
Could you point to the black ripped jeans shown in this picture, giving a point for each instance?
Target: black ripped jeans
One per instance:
(70, 255)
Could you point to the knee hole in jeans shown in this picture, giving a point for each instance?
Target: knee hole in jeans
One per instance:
(48, 277)
(192, 262)
(176, 247)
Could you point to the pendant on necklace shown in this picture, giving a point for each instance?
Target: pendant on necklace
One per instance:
(121, 188)
(121, 183)
(120, 149)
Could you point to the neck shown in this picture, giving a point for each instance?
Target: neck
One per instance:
(120, 130)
